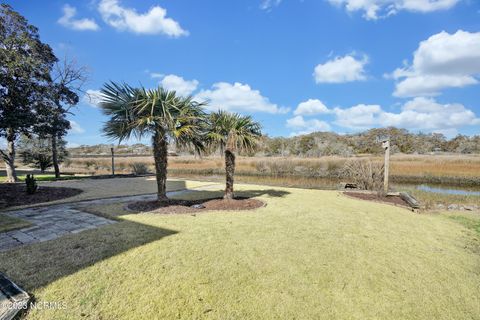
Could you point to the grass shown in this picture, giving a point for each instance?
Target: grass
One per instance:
(112, 211)
(8, 223)
(444, 169)
(461, 170)
(469, 220)
(309, 254)
(46, 177)
(428, 199)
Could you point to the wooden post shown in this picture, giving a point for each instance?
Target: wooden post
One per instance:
(113, 162)
(386, 146)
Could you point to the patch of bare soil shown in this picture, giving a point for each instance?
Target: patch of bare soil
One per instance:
(194, 206)
(395, 200)
(14, 194)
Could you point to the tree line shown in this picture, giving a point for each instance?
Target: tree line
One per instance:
(37, 89)
(326, 144)
(367, 142)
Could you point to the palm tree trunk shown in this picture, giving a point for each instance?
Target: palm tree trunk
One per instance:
(229, 173)
(222, 148)
(9, 157)
(55, 156)
(160, 155)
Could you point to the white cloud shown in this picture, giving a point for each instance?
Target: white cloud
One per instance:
(427, 114)
(421, 113)
(75, 127)
(360, 116)
(374, 9)
(67, 20)
(155, 21)
(237, 97)
(303, 126)
(181, 86)
(442, 61)
(92, 98)
(341, 69)
(268, 4)
(311, 107)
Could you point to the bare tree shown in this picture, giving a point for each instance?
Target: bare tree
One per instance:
(64, 92)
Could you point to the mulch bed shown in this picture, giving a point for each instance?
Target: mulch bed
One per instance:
(395, 200)
(14, 194)
(194, 206)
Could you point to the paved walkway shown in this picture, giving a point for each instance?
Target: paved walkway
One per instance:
(51, 222)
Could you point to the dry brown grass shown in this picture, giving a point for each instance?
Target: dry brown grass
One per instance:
(401, 165)
(447, 165)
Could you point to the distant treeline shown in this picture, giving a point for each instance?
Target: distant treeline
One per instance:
(137, 149)
(328, 143)
(369, 142)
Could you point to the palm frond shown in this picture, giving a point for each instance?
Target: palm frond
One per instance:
(117, 101)
(139, 111)
(233, 131)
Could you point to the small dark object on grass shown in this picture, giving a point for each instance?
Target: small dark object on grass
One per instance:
(412, 202)
(31, 183)
(198, 206)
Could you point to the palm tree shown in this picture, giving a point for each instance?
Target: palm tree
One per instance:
(231, 132)
(157, 112)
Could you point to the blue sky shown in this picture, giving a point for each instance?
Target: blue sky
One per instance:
(296, 65)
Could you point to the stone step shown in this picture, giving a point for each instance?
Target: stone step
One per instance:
(13, 299)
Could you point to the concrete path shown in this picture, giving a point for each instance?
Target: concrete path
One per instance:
(51, 222)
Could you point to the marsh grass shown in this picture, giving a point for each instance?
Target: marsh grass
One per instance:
(447, 169)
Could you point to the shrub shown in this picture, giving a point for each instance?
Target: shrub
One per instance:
(89, 163)
(139, 168)
(367, 175)
(67, 163)
(39, 159)
(31, 183)
(262, 167)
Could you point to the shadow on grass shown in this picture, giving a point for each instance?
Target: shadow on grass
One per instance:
(115, 211)
(37, 265)
(215, 194)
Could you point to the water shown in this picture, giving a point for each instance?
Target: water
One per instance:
(332, 184)
(462, 192)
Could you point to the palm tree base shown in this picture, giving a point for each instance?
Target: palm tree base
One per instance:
(228, 196)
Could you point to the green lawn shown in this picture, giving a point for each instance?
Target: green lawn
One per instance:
(308, 254)
(9, 223)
